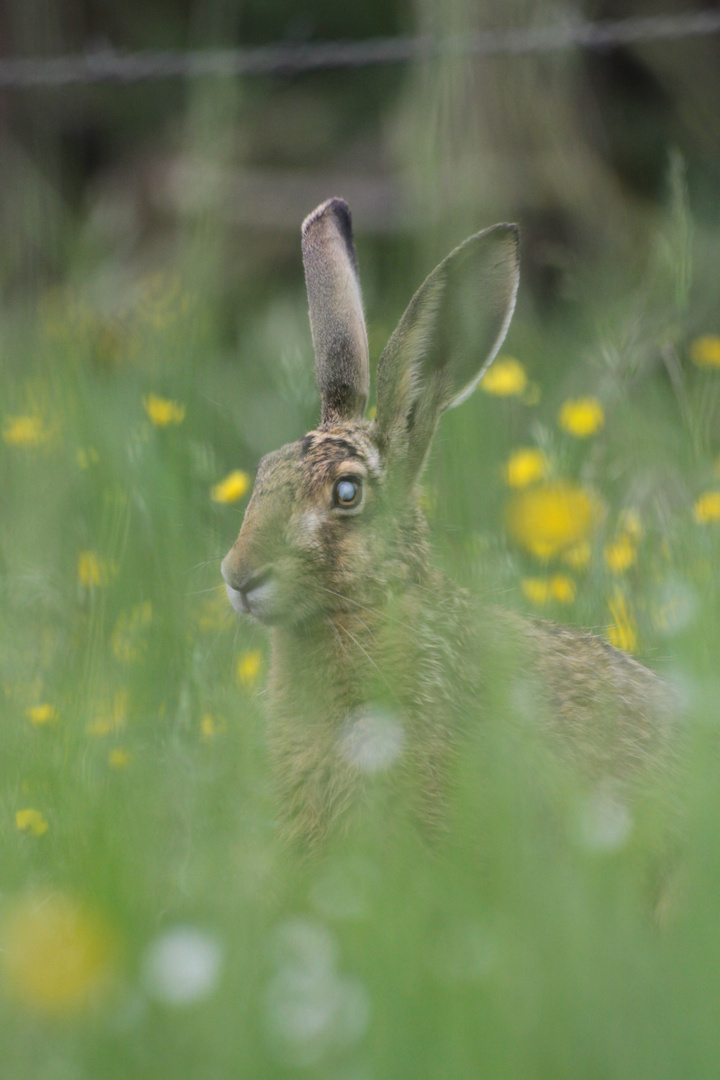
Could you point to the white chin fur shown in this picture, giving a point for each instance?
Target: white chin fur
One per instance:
(258, 602)
(236, 600)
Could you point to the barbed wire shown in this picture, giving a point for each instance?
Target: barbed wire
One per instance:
(107, 65)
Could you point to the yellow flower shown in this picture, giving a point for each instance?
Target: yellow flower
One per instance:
(210, 726)
(525, 466)
(118, 758)
(56, 956)
(623, 633)
(579, 555)
(504, 378)
(27, 432)
(232, 488)
(629, 522)
(707, 507)
(163, 412)
(581, 417)
(620, 555)
(248, 668)
(705, 351)
(550, 518)
(42, 714)
(559, 588)
(562, 589)
(32, 821)
(92, 570)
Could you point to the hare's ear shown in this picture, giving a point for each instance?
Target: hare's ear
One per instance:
(446, 340)
(342, 367)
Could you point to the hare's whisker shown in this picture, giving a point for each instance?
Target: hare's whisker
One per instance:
(338, 635)
(367, 655)
(378, 612)
(205, 562)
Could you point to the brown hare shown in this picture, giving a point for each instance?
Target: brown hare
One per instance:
(377, 659)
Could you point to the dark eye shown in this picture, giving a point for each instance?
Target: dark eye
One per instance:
(346, 491)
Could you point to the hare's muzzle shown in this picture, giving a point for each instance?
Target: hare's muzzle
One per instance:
(249, 594)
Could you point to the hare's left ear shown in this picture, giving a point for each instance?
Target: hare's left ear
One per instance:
(446, 340)
(342, 367)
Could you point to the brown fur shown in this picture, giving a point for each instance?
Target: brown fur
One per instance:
(342, 365)
(362, 625)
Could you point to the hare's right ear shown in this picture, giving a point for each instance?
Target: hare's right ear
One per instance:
(446, 340)
(342, 367)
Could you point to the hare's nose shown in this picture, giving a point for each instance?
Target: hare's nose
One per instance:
(244, 582)
(251, 594)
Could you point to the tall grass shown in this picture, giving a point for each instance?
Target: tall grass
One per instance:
(153, 924)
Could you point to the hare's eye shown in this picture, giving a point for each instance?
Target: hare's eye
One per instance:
(346, 491)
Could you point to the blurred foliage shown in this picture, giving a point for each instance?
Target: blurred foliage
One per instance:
(152, 347)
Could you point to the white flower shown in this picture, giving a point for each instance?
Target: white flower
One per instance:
(371, 739)
(605, 821)
(182, 966)
(310, 1009)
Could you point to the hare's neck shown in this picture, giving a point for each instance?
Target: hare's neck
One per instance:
(321, 673)
(326, 682)
(321, 680)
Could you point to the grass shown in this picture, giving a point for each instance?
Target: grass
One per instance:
(153, 925)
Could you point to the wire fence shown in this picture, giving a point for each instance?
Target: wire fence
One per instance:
(107, 65)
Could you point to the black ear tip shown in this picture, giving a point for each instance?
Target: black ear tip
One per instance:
(336, 207)
(341, 213)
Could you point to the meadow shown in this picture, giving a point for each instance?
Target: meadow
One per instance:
(152, 922)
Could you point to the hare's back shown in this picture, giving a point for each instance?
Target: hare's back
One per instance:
(612, 715)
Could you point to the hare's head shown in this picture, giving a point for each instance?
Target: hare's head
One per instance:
(334, 520)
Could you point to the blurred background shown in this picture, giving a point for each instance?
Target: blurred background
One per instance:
(154, 344)
(573, 142)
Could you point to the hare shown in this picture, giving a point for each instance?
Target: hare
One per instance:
(376, 658)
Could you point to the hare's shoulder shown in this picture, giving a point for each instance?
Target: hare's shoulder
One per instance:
(611, 712)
